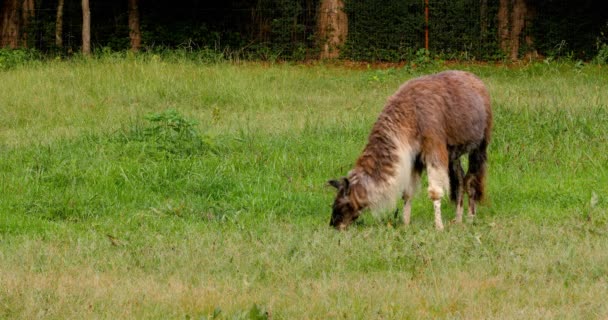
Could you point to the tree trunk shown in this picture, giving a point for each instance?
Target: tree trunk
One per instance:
(529, 39)
(10, 24)
(27, 12)
(261, 25)
(332, 28)
(59, 25)
(512, 19)
(134, 27)
(518, 15)
(483, 21)
(86, 28)
(503, 25)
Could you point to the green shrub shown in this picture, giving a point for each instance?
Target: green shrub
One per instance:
(10, 58)
(168, 132)
(602, 55)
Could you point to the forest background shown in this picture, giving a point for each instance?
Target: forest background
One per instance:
(362, 30)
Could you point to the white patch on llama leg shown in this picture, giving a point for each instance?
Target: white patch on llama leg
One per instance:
(437, 207)
(439, 184)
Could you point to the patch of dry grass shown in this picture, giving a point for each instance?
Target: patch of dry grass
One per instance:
(496, 268)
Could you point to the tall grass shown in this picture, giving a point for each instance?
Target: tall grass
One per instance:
(147, 188)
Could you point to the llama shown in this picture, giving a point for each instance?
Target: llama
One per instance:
(429, 123)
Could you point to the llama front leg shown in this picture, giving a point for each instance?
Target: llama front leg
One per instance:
(438, 184)
(409, 192)
(437, 166)
(407, 209)
(438, 220)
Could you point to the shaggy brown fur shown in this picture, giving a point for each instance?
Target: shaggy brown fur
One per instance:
(430, 122)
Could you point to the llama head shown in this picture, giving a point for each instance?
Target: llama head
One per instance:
(345, 209)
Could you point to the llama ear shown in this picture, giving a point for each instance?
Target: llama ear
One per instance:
(335, 183)
(345, 183)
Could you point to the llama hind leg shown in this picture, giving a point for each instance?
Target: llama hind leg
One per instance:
(472, 208)
(475, 178)
(472, 190)
(456, 175)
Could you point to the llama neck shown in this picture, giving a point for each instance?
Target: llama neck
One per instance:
(384, 172)
(378, 161)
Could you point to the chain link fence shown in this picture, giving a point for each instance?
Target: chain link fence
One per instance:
(378, 30)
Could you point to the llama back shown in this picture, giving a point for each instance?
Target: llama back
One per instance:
(446, 102)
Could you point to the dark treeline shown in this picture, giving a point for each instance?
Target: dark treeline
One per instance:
(373, 30)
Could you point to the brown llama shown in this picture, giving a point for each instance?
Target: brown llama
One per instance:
(430, 122)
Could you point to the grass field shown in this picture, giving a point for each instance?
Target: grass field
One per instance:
(148, 188)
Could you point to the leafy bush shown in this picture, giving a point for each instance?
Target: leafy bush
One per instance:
(168, 132)
(10, 58)
(602, 55)
(567, 28)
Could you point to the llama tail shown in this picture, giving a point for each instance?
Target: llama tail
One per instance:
(475, 179)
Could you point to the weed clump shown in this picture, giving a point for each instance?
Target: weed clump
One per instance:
(11, 58)
(171, 133)
(602, 55)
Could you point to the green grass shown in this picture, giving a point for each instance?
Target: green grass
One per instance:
(114, 206)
